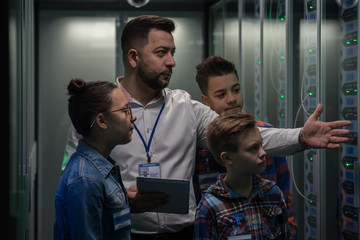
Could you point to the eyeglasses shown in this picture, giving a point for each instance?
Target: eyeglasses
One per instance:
(126, 110)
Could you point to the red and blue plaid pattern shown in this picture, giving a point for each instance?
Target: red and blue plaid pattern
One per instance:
(223, 213)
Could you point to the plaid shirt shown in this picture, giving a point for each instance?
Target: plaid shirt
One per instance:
(223, 213)
(277, 170)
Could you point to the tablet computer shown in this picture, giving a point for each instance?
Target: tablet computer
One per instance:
(177, 189)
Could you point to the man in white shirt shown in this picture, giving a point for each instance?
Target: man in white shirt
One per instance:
(170, 125)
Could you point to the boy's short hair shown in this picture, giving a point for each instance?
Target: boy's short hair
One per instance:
(213, 66)
(223, 131)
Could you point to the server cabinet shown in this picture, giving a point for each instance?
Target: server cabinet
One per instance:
(349, 178)
(292, 56)
(309, 85)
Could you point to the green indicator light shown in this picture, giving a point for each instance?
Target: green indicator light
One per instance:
(347, 91)
(311, 159)
(355, 215)
(355, 115)
(259, 62)
(282, 115)
(348, 164)
(311, 94)
(355, 40)
(348, 42)
(311, 201)
(346, 115)
(310, 50)
(311, 7)
(355, 90)
(282, 57)
(282, 96)
(282, 19)
(258, 115)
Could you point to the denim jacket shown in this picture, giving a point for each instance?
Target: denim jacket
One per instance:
(91, 202)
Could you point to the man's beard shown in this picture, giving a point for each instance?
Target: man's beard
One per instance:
(152, 79)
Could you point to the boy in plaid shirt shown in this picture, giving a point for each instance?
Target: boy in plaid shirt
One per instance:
(240, 205)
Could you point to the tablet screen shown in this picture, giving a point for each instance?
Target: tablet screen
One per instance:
(177, 189)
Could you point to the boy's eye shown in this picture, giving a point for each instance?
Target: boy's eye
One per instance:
(236, 90)
(220, 95)
(254, 148)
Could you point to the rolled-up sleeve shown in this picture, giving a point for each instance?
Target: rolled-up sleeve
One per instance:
(280, 141)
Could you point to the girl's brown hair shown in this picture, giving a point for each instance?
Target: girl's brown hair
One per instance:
(86, 100)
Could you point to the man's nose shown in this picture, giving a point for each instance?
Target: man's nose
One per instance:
(170, 61)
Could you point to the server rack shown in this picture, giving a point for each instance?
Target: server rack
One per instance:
(328, 72)
(309, 101)
(349, 178)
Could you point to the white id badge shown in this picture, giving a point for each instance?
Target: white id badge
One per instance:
(150, 170)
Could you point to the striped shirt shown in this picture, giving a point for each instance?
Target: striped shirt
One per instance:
(225, 214)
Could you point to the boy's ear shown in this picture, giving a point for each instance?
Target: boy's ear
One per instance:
(133, 57)
(205, 100)
(225, 158)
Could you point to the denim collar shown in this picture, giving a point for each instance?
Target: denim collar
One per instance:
(103, 165)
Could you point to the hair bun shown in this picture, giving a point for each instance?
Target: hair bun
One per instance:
(76, 86)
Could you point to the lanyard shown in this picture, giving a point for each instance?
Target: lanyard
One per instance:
(147, 146)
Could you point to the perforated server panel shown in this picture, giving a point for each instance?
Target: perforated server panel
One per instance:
(281, 71)
(349, 181)
(258, 84)
(309, 85)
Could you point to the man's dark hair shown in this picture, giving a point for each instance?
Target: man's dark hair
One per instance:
(136, 31)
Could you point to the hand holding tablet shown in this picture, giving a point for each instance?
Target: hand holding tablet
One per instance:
(177, 189)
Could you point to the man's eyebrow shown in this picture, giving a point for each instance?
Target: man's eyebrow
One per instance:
(164, 47)
(220, 91)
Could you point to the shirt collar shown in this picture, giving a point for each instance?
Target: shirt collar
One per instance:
(130, 99)
(259, 187)
(126, 93)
